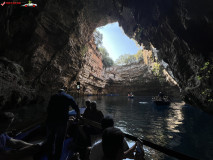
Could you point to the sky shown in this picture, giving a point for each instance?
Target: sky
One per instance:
(116, 41)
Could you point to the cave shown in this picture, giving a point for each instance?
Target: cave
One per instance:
(43, 49)
(47, 47)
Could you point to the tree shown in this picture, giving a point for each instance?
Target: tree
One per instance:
(126, 59)
(139, 55)
(98, 38)
(107, 61)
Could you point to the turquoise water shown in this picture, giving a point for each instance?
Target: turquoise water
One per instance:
(180, 127)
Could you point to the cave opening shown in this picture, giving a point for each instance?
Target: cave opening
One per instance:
(50, 46)
(127, 67)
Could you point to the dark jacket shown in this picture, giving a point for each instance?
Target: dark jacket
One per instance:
(58, 108)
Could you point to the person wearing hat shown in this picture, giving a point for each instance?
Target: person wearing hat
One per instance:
(57, 119)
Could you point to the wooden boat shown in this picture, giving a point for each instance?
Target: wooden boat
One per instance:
(67, 153)
(130, 96)
(161, 102)
(37, 133)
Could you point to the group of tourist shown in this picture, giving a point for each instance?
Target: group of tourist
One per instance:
(111, 147)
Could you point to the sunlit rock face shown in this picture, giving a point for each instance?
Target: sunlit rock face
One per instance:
(91, 75)
(48, 41)
(138, 79)
(182, 31)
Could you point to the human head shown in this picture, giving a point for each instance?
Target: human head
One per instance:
(61, 90)
(112, 143)
(93, 105)
(6, 119)
(88, 103)
(106, 122)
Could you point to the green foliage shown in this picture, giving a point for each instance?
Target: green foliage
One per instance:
(199, 78)
(126, 59)
(156, 69)
(205, 71)
(139, 55)
(107, 61)
(98, 38)
(204, 75)
(83, 50)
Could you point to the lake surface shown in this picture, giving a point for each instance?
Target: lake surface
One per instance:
(180, 127)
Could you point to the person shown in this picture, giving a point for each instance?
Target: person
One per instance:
(106, 122)
(57, 119)
(112, 144)
(97, 153)
(112, 147)
(161, 96)
(96, 115)
(87, 110)
(87, 130)
(11, 148)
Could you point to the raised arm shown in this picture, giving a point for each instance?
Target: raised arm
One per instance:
(74, 106)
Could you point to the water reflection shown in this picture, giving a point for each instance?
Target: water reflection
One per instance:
(185, 129)
(175, 118)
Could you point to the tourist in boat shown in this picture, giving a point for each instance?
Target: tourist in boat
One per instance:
(57, 118)
(18, 149)
(94, 115)
(129, 95)
(87, 110)
(161, 96)
(112, 147)
(97, 153)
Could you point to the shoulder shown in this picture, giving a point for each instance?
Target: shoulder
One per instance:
(100, 113)
(4, 136)
(97, 151)
(67, 96)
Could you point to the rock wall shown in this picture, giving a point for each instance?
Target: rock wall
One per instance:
(91, 75)
(49, 41)
(137, 78)
(182, 31)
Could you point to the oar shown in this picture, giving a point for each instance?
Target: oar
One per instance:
(161, 149)
(147, 143)
(30, 128)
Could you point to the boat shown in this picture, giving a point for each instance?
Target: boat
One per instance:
(161, 101)
(67, 153)
(130, 95)
(36, 134)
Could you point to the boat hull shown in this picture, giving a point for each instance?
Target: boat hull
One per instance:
(162, 103)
